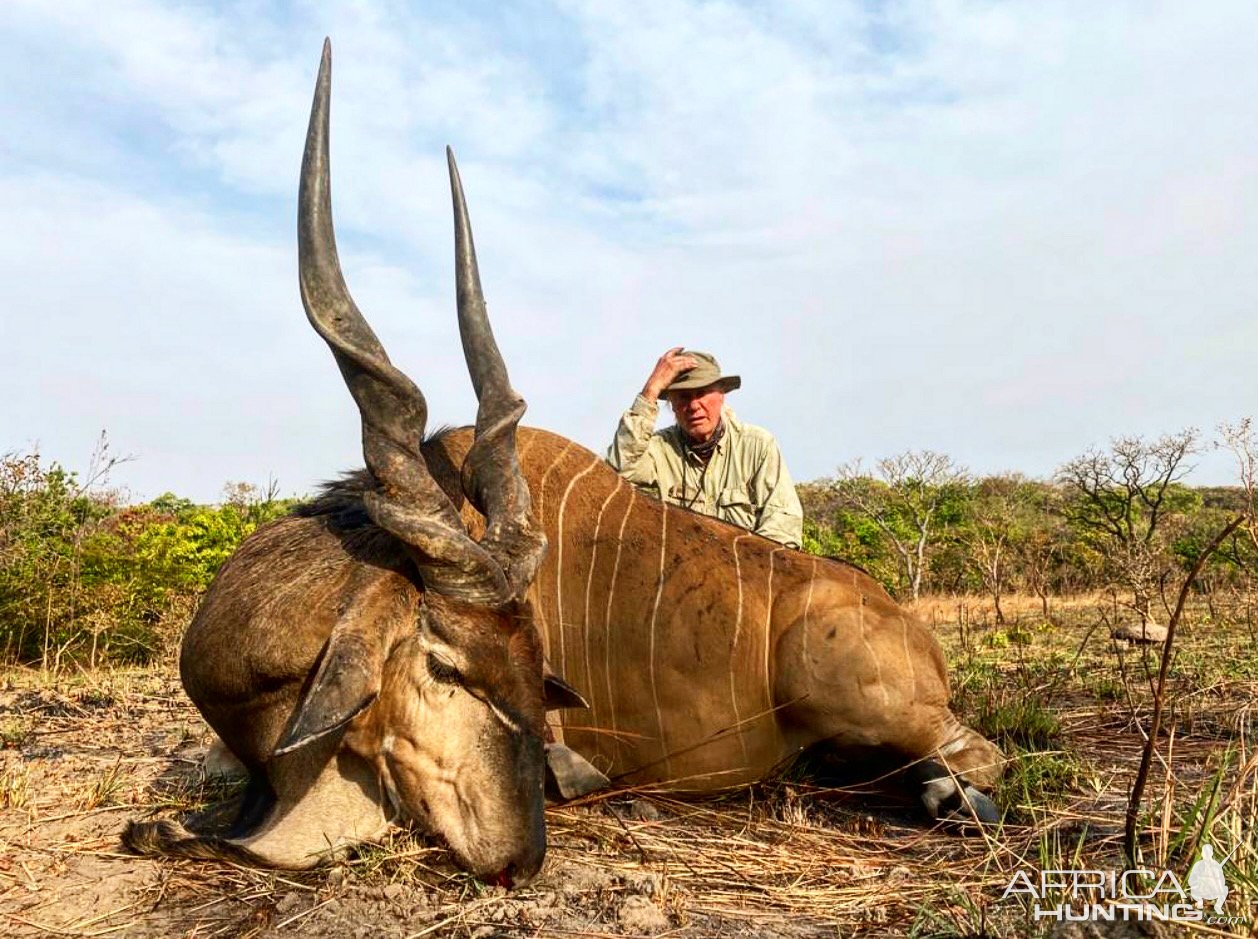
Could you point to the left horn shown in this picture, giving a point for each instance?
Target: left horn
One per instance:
(406, 501)
(492, 479)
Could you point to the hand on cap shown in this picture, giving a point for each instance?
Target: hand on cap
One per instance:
(671, 364)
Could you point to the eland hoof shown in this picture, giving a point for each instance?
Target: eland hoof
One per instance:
(951, 799)
(974, 809)
(573, 774)
(221, 764)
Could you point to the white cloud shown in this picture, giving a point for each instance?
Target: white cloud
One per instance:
(1006, 231)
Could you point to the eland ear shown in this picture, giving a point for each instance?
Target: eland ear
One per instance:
(347, 681)
(559, 695)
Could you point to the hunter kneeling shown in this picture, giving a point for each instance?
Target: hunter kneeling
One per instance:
(709, 461)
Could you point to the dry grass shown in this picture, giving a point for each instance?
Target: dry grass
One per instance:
(91, 749)
(981, 609)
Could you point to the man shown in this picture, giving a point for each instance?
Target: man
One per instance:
(709, 461)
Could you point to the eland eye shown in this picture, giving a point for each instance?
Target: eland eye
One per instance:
(441, 670)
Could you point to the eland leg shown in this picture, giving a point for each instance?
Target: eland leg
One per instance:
(867, 677)
(947, 780)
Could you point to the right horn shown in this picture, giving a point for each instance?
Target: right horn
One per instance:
(407, 501)
(491, 474)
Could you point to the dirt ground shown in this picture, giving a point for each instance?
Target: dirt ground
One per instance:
(84, 752)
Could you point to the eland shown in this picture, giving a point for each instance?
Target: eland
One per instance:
(389, 651)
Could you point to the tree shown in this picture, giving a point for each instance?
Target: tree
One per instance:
(1242, 440)
(1126, 501)
(1000, 520)
(51, 528)
(905, 503)
(1045, 550)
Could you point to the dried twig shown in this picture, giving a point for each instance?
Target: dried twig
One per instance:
(1130, 843)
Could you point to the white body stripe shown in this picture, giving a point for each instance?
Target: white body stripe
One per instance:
(607, 618)
(812, 579)
(908, 657)
(873, 656)
(586, 627)
(733, 650)
(655, 609)
(541, 489)
(768, 635)
(563, 504)
(539, 513)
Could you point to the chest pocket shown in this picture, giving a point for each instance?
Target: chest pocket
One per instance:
(734, 505)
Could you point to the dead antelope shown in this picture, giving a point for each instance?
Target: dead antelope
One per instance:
(369, 660)
(378, 663)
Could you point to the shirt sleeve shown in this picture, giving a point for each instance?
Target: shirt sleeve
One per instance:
(628, 453)
(780, 515)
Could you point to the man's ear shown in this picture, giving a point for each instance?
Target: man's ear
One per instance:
(559, 695)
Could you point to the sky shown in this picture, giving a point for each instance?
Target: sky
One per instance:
(1007, 232)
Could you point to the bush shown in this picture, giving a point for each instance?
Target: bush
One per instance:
(83, 576)
(1004, 534)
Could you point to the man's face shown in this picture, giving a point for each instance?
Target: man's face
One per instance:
(698, 411)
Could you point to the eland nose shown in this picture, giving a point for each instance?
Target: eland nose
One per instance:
(514, 865)
(526, 867)
(518, 873)
(504, 878)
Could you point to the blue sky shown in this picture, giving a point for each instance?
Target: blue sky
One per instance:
(1005, 231)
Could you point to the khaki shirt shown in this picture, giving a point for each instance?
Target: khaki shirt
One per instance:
(745, 482)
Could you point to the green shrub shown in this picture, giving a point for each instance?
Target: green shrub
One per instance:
(83, 576)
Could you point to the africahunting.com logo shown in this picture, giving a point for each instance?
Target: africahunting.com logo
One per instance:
(1138, 894)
